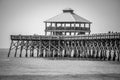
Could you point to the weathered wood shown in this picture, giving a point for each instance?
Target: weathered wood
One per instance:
(38, 51)
(22, 44)
(21, 51)
(10, 48)
(49, 49)
(103, 49)
(16, 49)
(26, 55)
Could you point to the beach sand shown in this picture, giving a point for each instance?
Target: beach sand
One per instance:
(49, 69)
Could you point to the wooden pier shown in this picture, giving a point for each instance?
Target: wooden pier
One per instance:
(102, 46)
(80, 44)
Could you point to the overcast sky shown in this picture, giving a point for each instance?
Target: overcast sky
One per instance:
(27, 16)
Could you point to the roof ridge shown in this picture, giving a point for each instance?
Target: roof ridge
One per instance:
(81, 17)
(72, 16)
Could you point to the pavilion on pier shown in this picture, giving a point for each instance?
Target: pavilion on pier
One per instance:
(67, 23)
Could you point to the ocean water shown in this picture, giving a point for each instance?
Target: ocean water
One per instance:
(39, 68)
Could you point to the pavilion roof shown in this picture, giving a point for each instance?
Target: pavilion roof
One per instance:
(68, 16)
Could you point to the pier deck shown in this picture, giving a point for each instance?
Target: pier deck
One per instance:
(62, 37)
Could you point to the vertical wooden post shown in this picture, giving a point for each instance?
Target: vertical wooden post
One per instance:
(70, 28)
(74, 28)
(68, 48)
(49, 53)
(109, 57)
(26, 55)
(78, 48)
(65, 33)
(65, 27)
(75, 49)
(84, 25)
(27, 42)
(31, 51)
(10, 48)
(65, 46)
(59, 48)
(45, 32)
(70, 33)
(38, 50)
(40, 47)
(79, 24)
(97, 49)
(45, 28)
(119, 50)
(89, 28)
(22, 43)
(117, 54)
(56, 28)
(16, 48)
(21, 51)
(74, 33)
(63, 50)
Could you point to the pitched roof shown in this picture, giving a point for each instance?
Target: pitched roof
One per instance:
(67, 16)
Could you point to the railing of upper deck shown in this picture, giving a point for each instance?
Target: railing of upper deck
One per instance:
(68, 28)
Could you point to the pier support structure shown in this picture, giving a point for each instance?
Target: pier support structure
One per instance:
(102, 48)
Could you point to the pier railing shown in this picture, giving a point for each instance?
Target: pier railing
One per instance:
(77, 37)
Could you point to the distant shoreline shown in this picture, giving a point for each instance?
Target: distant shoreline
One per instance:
(62, 77)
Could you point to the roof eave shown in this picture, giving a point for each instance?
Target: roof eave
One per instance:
(66, 22)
